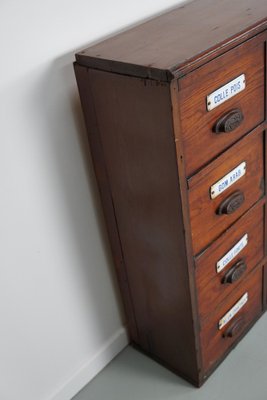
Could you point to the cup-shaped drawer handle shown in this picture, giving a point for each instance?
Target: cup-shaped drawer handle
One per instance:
(235, 273)
(231, 203)
(235, 328)
(229, 122)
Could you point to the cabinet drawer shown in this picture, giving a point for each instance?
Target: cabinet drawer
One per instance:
(226, 263)
(209, 216)
(201, 144)
(214, 341)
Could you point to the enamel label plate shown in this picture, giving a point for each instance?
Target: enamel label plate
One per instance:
(226, 92)
(231, 254)
(228, 180)
(234, 310)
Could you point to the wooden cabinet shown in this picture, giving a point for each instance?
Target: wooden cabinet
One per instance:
(198, 125)
(175, 110)
(207, 221)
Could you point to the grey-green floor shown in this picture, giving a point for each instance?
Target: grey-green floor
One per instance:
(133, 376)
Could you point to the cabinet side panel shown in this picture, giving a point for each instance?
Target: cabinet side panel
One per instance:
(105, 194)
(134, 122)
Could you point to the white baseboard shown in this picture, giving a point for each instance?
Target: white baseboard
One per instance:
(88, 371)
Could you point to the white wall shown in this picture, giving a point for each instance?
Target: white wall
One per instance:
(59, 306)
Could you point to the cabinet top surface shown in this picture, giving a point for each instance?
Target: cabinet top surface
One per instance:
(183, 38)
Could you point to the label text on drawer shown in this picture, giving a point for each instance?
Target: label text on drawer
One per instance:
(226, 92)
(234, 310)
(228, 257)
(228, 180)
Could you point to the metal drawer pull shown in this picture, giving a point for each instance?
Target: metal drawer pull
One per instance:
(235, 273)
(235, 328)
(231, 203)
(229, 122)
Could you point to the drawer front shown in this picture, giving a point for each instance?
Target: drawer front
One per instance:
(226, 263)
(200, 141)
(248, 297)
(234, 193)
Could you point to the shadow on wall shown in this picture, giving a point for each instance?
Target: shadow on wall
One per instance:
(70, 152)
(65, 141)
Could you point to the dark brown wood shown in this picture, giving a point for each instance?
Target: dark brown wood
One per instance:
(131, 117)
(209, 283)
(175, 42)
(105, 192)
(199, 138)
(230, 348)
(157, 151)
(206, 224)
(214, 344)
(186, 216)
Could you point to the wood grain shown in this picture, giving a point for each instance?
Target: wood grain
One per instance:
(132, 114)
(156, 156)
(206, 224)
(200, 142)
(212, 340)
(101, 172)
(179, 40)
(211, 291)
